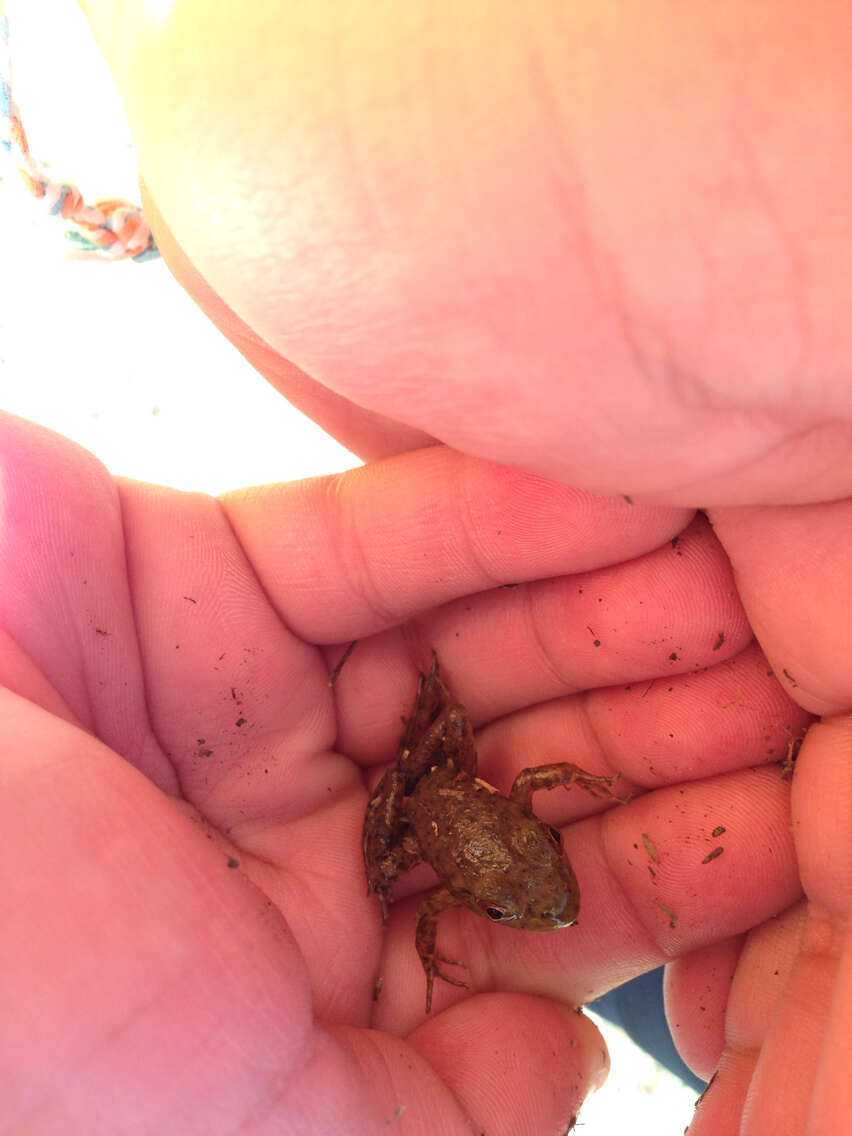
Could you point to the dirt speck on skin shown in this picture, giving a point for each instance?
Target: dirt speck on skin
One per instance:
(789, 677)
(233, 862)
(668, 911)
(649, 848)
(707, 1090)
(788, 763)
(718, 830)
(713, 855)
(719, 641)
(332, 678)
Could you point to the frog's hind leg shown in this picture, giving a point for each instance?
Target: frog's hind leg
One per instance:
(431, 699)
(449, 740)
(459, 746)
(425, 938)
(390, 847)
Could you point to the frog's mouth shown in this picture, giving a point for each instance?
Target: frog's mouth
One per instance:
(548, 923)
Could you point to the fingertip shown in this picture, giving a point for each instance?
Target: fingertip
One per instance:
(514, 1061)
(696, 989)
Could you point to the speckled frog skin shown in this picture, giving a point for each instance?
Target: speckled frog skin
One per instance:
(491, 853)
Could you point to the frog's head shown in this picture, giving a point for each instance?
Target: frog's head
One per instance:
(538, 891)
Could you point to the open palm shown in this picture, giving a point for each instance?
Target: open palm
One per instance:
(188, 944)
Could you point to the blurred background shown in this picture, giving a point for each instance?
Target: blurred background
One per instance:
(117, 357)
(114, 354)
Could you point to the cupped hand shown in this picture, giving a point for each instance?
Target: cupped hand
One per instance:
(186, 921)
(772, 1013)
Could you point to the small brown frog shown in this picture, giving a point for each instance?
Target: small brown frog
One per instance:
(491, 852)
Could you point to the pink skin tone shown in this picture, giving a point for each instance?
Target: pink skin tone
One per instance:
(555, 241)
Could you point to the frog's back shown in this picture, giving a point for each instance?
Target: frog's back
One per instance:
(467, 830)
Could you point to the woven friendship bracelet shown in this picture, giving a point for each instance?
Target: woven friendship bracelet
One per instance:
(113, 228)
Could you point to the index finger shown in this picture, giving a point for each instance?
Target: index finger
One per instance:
(349, 555)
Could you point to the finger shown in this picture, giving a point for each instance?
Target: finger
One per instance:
(64, 598)
(822, 800)
(468, 1069)
(650, 890)
(696, 987)
(347, 556)
(763, 971)
(678, 729)
(832, 1097)
(822, 804)
(138, 605)
(670, 611)
(810, 1005)
(240, 704)
(788, 983)
(477, 1045)
(792, 572)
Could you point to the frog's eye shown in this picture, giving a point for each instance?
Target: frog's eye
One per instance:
(556, 834)
(499, 913)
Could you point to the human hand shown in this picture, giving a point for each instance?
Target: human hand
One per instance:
(773, 1013)
(166, 713)
(609, 245)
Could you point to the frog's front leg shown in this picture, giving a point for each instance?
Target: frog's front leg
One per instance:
(560, 773)
(425, 936)
(390, 848)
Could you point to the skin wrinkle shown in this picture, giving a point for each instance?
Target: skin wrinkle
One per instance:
(81, 630)
(393, 1082)
(787, 249)
(341, 521)
(367, 1037)
(538, 638)
(604, 264)
(726, 470)
(467, 527)
(590, 730)
(279, 1092)
(163, 754)
(248, 564)
(591, 247)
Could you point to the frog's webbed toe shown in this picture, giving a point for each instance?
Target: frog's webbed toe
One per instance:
(425, 936)
(385, 897)
(433, 970)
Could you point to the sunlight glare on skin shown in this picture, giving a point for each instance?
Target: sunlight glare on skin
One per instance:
(157, 10)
